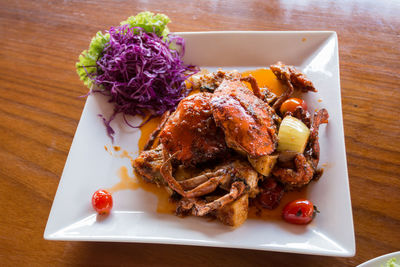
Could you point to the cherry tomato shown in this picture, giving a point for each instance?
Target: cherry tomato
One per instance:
(291, 104)
(300, 211)
(102, 201)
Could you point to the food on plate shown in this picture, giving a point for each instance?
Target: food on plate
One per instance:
(300, 211)
(392, 263)
(138, 66)
(293, 79)
(148, 165)
(306, 163)
(205, 81)
(292, 104)
(263, 164)
(232, 144)
(102, 202)
(234, 213)
(191, 134)
(235, 178)
(87, 65)
(293, 135)
(246, 120)
(270, 194)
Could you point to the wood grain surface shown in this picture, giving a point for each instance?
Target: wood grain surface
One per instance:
(40, 110)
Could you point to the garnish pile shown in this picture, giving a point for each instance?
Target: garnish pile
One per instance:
(138, 65)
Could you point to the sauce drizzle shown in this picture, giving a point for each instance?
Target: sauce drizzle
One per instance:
(146, 130)
(266, 78)
(135, 182)
(276, 214)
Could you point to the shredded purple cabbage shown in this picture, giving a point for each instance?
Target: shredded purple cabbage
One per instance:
(141, 73)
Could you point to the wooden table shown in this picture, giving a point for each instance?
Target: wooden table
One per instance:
(40, 110)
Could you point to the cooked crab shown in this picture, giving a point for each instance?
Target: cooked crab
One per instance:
(301, 114)
(208, 128)
(237, 178)
(148, 165)
(246, 120)
(312, 149)
(191, 133)
(208, 82)
(293, 78)
(305, 165)
(248, 126)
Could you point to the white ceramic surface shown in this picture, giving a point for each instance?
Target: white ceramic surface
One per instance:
(381, 260)
(134, 219)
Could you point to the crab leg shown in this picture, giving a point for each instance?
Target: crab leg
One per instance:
(290, 74)
(207, 187)
(278, 103)
(166, 172)
(320, 117)
(301, 114)
(267, 96)
(283, 74)
(299, 177)
(198, 180)
(312, 151)
(256, 90)
(186, 205)
(157, 131)
(237, 189)
(305, 164)
(292, 78)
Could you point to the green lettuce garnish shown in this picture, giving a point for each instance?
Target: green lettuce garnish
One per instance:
(149, 22)
(86, 66)
(391, 263)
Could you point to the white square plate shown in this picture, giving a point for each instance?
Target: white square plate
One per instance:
(134, 217)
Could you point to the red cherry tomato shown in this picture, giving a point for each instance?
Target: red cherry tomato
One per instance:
(300, 211)
(291, 104)
(102, 201)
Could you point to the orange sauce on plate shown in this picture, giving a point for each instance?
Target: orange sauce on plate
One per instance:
(266, 78)
(146, 130)
(276, 214)
(164, 205)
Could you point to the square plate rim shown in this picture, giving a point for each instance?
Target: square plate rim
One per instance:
(349, 251)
